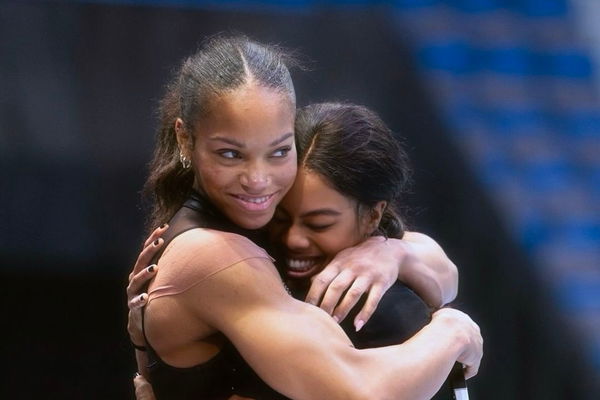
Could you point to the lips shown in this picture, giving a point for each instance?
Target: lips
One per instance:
(254, 203)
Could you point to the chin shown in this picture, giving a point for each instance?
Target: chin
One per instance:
(253, 222)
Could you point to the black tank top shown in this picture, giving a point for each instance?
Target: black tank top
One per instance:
(227, 373)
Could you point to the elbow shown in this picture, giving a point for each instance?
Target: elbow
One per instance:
(450, 289)
(371, 388)
(445, 286)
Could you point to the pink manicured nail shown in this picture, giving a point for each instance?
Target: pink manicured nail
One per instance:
(359, 324)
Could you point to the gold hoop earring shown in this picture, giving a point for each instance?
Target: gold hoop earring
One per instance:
(185, 162)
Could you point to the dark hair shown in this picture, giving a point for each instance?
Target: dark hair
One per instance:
(221, 65)
(351, 147)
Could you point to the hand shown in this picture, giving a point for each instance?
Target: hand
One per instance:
(143, 388)
(354, 271)
(469, 334)
(138, 278)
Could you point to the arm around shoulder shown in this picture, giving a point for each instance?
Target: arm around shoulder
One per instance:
(301, 352)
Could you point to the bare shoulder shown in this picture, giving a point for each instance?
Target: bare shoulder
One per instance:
(211, 240)
(211, 248)
(238, 290)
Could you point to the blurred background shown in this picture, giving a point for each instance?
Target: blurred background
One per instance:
(498, 102)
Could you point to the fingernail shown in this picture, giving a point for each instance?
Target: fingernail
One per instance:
(151, 268)
(163, 226)
(156, 242)
(359, 324)
(336, 319)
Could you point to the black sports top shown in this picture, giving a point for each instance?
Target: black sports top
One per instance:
(227, 373)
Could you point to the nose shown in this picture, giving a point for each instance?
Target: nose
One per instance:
(255, 179)
(294, 238)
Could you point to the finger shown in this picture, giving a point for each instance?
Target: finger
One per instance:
(351, 297)
(375, 295)
(146, 255)
(474, 361)
(143, 389)
(335, 290)
(138, 301)
(156, 234)
(140, 280)
(471, 370)
(319, 284)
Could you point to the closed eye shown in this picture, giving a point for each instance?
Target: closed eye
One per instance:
(319, 228)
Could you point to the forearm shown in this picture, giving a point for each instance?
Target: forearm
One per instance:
(414, 370)
(321, 364)
(427, 269)
(301, 352)
(141, 358)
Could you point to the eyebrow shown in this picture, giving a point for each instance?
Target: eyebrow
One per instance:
(234, 142)
(281, 139)
(321, 211)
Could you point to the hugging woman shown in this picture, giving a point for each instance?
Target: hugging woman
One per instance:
(219, 322)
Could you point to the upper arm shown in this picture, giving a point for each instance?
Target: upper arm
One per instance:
(295, 347)
(431, 273)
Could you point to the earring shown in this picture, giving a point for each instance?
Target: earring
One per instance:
(185, 162)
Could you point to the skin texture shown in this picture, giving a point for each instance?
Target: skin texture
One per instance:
(244, 156)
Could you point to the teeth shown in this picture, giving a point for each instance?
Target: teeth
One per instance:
(300, 265)
(255, 200)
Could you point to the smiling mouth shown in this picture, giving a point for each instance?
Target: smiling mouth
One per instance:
(302, 267)
(254, 203)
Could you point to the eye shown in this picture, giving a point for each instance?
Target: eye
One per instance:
(319, 228)
(281, 152)
(229, 154)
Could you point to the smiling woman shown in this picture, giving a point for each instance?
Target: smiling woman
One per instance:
(351, 173)
(244, 156)
(315, 222)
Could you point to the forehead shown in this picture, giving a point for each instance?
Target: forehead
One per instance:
(250, 113)
(312, 191)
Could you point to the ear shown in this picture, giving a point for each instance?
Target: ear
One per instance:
(373, 217)
(184, 139)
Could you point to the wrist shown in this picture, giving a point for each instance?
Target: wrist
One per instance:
(405, 256)
(453, 326)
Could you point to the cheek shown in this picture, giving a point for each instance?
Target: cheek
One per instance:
(213, 178)
(336, 240)
(286, 175)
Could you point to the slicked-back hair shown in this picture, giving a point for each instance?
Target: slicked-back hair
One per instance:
(221, 65)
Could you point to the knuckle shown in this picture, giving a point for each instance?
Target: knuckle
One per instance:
(321, 280)
(355, 292)
(338, 286)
